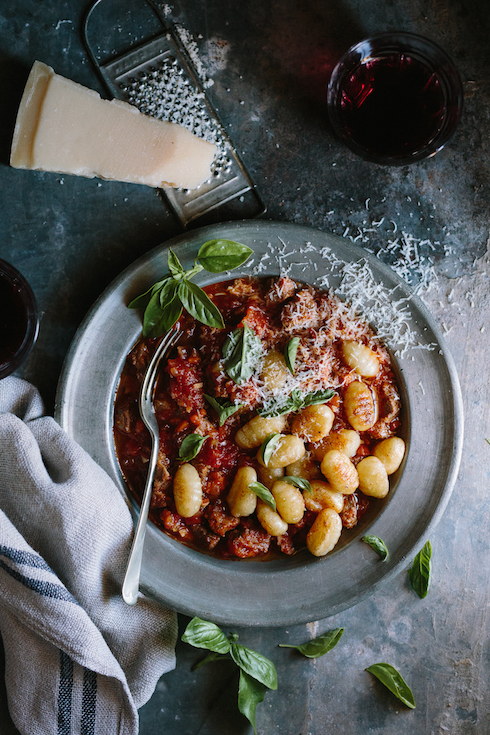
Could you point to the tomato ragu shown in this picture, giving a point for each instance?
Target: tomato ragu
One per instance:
(296, 401)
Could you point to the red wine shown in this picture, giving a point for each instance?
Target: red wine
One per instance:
(13, 319)
(392, 105)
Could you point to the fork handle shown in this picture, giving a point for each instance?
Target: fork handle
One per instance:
(130, 588)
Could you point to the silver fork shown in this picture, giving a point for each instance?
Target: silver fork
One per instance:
(131, 582)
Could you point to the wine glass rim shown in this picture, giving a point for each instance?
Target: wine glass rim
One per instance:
(422, 49)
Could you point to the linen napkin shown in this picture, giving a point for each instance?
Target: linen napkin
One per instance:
(78, 660)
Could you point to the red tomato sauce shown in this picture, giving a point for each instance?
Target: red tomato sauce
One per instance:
(194, 368)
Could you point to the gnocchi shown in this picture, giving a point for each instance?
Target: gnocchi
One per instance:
(360, 358)
(187, 490)
(324, 533)
(340, 472)
(322, 495)
(257, 429)
(373, 478)
(359, 406)
(241, 499)
(269, 475)
(347, 441)
(305, 467)
(391, 452)
(288, 450)
(289, 501)
(270, 519)
(313, 423)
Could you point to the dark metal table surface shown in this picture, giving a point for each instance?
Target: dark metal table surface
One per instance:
(266, 64)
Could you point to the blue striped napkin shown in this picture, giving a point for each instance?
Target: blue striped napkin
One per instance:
(78, 660)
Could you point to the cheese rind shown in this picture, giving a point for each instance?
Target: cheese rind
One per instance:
(66, 128)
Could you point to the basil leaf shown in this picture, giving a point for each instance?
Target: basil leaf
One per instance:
(263, 493)
(393, 681)
(241, 350)
(223, 407)
(299, 482)
(202, 634)
(377, 544)
(419, 573)
(318, 646)
(142, 300)
(250, 693)
(191, 446)
(317, 397)
(217, 256)
(209, 659)
(254, 664)
(268, 446)
(163, 310)
(174, 264)
(199, 305)
(290, 353)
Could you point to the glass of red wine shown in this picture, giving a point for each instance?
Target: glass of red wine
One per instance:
(395, 98)
(19, 320)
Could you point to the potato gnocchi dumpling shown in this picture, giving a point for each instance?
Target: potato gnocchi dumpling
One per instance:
(295, 413)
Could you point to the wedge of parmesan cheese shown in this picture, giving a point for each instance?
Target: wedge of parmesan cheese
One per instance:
(66, 128)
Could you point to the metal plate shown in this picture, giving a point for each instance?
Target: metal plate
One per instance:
(301, 588)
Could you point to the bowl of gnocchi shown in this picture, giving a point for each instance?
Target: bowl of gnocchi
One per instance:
(314, 414)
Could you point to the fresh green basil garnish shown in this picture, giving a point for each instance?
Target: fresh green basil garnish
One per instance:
(318, 646)
(202, 634)
(163, 310)
(164, 301)
(299, 482)
(174, 264)
(393, 681)
(419, 573)
(241, 350)
(378, 545)
(217, 256)
(191, 446)
(263, 493)
(268, 446)
(257, 673)
(296, 402)
(199, 305)
(223, 407)
(254, 664)
(142, 300)
(290, 353)
(250, 693)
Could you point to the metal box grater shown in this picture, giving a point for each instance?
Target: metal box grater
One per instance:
(158, 78)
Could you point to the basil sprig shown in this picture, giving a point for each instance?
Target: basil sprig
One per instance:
(241, 350)
(419, 572)
(191, 446)
(290, 353)
(393, 680)
(378, 545)
(318, 646)
(223, 407)
(296, 402)
(164, 301)
(257, 673)
(263, 493)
